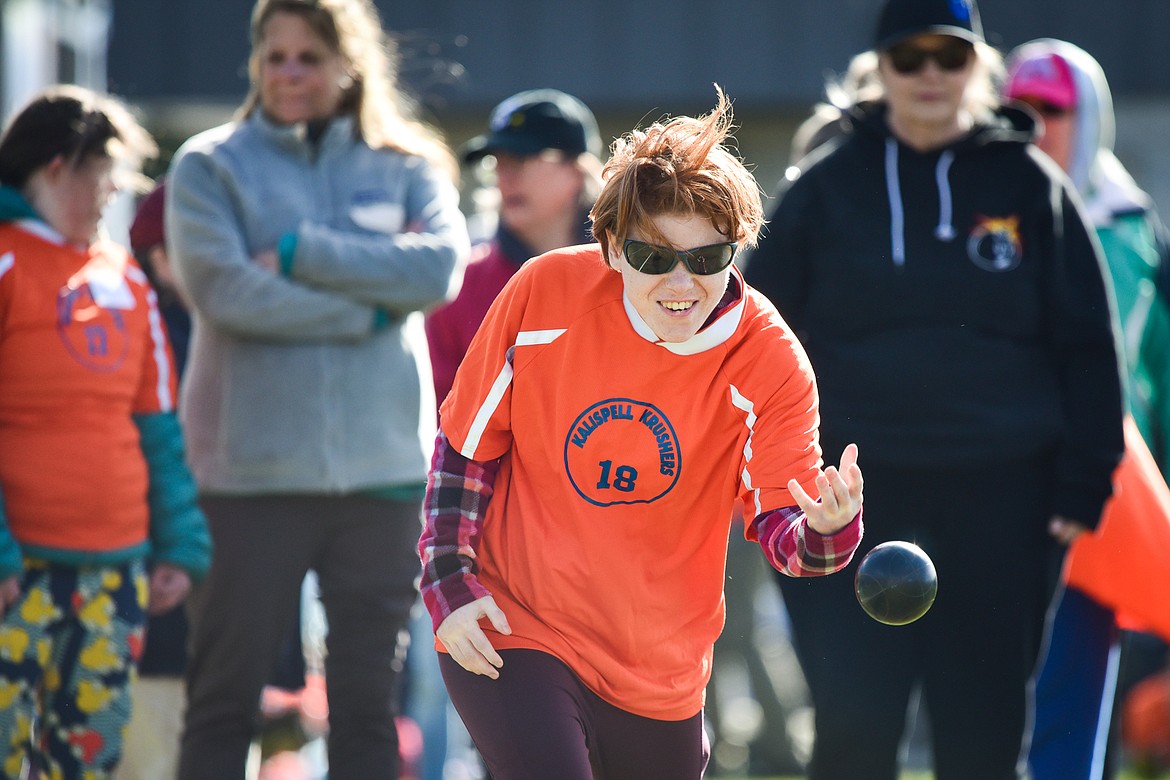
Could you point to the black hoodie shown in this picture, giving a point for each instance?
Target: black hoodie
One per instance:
(954, 303)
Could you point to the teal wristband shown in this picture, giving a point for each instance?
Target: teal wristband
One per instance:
(286, 249)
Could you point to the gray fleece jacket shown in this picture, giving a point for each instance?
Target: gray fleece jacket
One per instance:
(315, 378)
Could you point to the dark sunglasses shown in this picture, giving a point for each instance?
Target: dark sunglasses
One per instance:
(951, 56)
(1049, 110)
(702, 260)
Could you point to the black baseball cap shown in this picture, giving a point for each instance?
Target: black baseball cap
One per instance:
(902, 19)
(530, 122)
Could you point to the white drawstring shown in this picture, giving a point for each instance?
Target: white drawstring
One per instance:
(946, 229)
(897, 216)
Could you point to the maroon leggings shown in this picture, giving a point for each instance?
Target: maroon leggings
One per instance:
(539, 721)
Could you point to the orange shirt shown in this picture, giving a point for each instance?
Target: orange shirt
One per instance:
(605, 540)
(82, 348)
(1125, 563)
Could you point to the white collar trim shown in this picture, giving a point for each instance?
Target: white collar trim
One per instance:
(711, 336)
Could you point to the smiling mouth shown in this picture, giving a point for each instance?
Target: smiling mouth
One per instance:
(678, 306)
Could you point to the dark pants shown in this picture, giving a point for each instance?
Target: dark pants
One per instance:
(364, 553)
(1075, 691)
(985, 529)
(538, 722)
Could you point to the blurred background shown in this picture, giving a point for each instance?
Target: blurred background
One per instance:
(182, 63)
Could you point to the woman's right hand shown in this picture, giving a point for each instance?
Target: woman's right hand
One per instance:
(465, 640)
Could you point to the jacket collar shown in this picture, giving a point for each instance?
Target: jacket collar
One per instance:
(338, 132)
(519, 252)
(1006, 124)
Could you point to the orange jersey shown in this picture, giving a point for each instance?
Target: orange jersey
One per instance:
(1125, 562)
(605, 540)
(82, 348)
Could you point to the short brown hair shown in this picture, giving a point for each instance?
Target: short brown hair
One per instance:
(680, 166)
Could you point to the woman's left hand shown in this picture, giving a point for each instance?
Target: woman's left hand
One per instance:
(840, 498)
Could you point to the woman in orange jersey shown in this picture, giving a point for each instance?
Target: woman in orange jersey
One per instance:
(93, 484)
(618, 399)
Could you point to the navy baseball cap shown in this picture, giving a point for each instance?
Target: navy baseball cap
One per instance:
(902, 19)
(530, 122)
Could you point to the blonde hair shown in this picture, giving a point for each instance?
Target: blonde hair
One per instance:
(680, 166)
(352, 28)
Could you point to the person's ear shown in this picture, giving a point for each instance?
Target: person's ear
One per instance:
(54, 167)
(348, 76)
(613, 256)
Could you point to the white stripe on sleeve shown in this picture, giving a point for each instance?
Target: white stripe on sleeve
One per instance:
(166, 401)
(500, 386)
(740, 402)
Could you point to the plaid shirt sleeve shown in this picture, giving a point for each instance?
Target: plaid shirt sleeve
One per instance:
(797, 550)
(458, 492)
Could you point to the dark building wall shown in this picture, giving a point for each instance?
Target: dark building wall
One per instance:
(470, 53)
(633, 60)
(179, 49)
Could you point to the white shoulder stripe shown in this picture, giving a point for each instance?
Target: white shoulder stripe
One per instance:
(500, 386)
(6, 262)
(526, 338)
(740, 402)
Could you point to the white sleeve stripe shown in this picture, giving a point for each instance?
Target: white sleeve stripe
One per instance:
(500, 386)
(7, 262)
(486, 410)
(527, 338)
(166, 402)
(740, 402)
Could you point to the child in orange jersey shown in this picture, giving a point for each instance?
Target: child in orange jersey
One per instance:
(618, 399)
(93, 482)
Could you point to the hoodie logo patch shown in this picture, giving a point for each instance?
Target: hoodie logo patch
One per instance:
(994, 244)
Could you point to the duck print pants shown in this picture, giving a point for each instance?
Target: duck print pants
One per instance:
(69, 649)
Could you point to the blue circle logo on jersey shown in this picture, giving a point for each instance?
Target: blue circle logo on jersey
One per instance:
(622, 451)
(95, 336)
